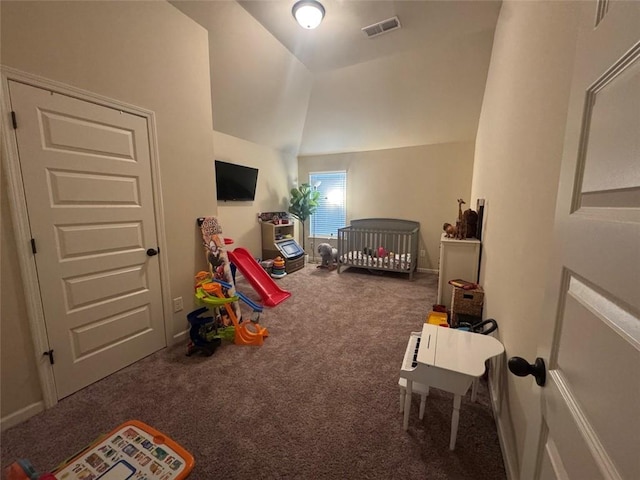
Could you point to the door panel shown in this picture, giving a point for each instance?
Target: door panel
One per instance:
(87, 239)
(590, 331)
(103, 333)
(593, 387)
(104, 286)
(568, 442)
(591, 402)
(87, 177)
(76, 135)
(552, 467)
(87, 189)
(610, 153)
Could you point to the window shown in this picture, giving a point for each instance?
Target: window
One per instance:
(332, 208)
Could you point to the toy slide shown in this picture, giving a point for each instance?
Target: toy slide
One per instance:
(259, 279)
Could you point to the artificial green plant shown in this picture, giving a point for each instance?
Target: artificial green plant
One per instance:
(302, 204)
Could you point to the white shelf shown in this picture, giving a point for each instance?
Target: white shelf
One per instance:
(269, 233)
(458, 259)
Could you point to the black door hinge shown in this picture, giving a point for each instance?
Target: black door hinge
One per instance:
(14, 121)
(50, 355)
(33, 246)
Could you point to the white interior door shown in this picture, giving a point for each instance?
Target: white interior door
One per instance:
(87, 180)
(591, 402)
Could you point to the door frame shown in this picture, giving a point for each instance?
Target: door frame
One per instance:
(20, 217)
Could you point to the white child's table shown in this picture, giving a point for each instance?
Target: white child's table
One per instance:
(448, 359)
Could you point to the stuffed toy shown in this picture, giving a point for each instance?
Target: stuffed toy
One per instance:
(450, 230)
(329, 256)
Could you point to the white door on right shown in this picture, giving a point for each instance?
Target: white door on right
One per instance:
(591, 400)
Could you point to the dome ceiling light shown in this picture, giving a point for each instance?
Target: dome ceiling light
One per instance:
(308, 13)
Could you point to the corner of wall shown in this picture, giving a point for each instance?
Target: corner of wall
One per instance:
(21, 415)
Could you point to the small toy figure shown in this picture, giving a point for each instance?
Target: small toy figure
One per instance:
(460, 234)
(450, 230)
(329, 256)
(466, 224)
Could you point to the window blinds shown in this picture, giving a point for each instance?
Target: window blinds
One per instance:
(331, 213)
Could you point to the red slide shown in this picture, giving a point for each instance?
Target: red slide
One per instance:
(259, 279)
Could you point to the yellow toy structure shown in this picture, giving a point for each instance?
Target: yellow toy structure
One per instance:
(210, 293)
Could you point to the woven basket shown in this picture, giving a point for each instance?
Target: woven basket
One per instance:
(467, 302)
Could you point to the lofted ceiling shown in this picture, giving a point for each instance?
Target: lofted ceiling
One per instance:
(333, 89)
(339, 41)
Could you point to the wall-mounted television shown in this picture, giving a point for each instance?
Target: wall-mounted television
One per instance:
(235, 182)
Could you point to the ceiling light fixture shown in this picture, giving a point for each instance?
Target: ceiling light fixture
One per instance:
(308, 13)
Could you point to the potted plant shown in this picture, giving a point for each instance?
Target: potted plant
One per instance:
(302, 204)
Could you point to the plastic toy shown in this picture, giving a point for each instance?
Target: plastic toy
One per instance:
(211, 294)
(277, 271)
(215, 289)
(21, 469)
(223, 262)
(203, 333)
(438, 318)
(270, 293)
(215, 246)
(133, 450)
(479, 327)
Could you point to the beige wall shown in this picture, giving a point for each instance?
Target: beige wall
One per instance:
(409, 99)
(517, 164)
(413, 183)
(260, 91)
(239, 220)
(143, 53)
(20, 383)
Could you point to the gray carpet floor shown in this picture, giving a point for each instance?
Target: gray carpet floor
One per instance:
(319, 400)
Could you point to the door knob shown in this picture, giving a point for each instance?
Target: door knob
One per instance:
(152, 251)
(520, 367)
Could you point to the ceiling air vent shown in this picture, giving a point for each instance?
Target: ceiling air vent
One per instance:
(384, 26)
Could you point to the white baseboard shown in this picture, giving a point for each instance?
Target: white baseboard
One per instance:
(505, 432)
(427, 270)
(180, 337)
(21, 415)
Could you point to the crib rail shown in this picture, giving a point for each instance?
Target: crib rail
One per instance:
(359, 243)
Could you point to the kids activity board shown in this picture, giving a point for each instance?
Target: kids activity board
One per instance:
(135, 451)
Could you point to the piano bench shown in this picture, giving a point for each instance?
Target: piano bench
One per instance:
(420, 388)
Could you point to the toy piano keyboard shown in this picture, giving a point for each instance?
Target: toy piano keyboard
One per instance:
(133, 451)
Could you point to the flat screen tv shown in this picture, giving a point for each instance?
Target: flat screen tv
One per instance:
(235, 182)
